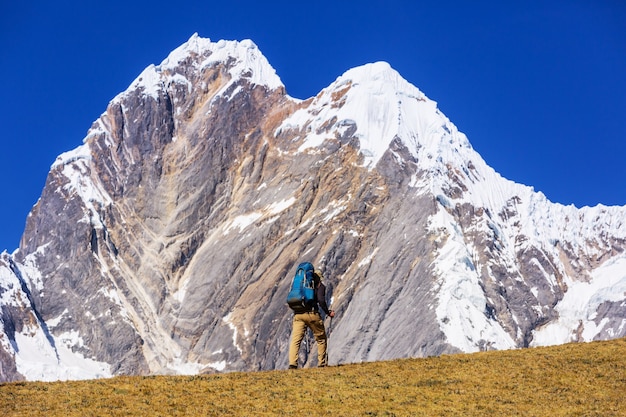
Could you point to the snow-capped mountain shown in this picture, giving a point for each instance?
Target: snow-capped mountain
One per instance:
(166, 242)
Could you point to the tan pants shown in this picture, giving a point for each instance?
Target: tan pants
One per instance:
(300, 323)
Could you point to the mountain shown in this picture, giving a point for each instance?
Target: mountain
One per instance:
(166, 242)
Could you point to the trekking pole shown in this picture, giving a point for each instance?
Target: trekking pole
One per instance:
(307, 345)
(330, 325)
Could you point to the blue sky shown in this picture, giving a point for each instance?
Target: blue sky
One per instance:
(539, 87)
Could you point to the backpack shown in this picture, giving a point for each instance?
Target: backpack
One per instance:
(301, 297)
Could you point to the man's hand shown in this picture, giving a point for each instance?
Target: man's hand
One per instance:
(332, 313)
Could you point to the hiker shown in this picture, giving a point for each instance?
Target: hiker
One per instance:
(312, 319)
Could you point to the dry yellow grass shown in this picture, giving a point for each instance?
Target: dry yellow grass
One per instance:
(570, 380)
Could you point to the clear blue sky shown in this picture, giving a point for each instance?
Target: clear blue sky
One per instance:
(539, 87)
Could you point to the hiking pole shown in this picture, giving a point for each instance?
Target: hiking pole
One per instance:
(330, 325)
(307, 345)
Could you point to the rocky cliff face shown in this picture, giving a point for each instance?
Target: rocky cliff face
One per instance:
(167, 241)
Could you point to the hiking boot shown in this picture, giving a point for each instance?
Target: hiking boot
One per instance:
(293, 366)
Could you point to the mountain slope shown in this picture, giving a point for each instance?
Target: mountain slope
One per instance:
(166, 242)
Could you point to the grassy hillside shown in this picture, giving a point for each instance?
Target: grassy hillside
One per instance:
(571, 380)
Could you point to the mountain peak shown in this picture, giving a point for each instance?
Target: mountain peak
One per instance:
(379, 77)
(243, 59)
(380, 104)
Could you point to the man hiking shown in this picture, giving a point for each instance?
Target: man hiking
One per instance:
(309, 316)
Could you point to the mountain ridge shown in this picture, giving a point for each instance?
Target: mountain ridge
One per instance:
(165, 242)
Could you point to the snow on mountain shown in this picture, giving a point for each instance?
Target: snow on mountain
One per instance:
(249, 64)
(38, 355)
(375, 99)
(534, 222)
(75, 167)
(40, 360)
(579, 307)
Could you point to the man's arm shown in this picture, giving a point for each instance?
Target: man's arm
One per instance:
(321, 300)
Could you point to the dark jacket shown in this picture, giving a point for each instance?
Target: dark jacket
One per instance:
(320, 296)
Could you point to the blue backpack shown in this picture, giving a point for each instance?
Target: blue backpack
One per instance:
(301, 298)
